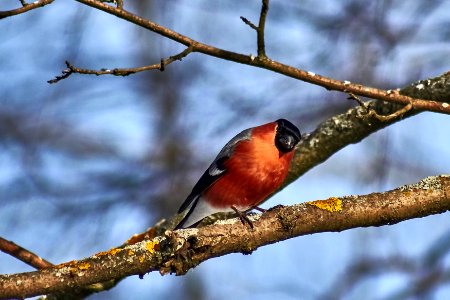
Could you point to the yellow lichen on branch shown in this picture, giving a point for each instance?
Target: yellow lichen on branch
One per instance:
(332, 204)
(114, 251)
(84, 266)
(152, 245)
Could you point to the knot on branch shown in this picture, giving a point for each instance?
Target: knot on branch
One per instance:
(182, 252)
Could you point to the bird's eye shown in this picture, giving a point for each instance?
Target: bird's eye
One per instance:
(285, 142)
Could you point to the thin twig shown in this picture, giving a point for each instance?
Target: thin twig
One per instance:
(23, 254)
(261, 27)
(25, 7)
(398, 114)
(120, 71)
(249, 23)
(372, 113)
(65, 73)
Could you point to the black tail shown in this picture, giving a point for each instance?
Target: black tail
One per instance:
(191, 209)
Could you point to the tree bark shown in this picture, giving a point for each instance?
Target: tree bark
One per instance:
(179, 251)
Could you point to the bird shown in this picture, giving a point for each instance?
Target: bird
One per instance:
(248, 169)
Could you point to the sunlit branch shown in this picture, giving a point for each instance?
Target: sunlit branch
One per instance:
(268, 64)
(181, 250)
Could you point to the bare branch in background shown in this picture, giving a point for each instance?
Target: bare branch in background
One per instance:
(268, 64)
(25, 8)
(424, 273)
(364, 268)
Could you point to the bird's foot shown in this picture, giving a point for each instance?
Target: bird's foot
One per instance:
(243, 217)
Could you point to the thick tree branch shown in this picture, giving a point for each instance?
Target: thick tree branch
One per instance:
(268, 64)
(356, 124)
(179, 251)
(25, 7)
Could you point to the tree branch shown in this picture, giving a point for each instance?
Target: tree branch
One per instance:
(268, 64)
(181, 250)
(356, 124)
(249, 23)
(123, 71)
(372, 113)
(25, 7)
(23, 254)
(39, 263)
(260, 30)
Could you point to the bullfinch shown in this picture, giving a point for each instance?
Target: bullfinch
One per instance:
(249, 168)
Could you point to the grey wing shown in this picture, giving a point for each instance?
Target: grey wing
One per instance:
(217, 167)
(215, 170)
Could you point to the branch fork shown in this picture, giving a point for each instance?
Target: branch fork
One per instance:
(372, 113)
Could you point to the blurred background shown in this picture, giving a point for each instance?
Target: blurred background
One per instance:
(89, 161)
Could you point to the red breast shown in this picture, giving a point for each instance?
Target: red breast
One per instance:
(254, 171)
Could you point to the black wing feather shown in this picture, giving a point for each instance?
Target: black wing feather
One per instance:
(202, 184)
(215, 170)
